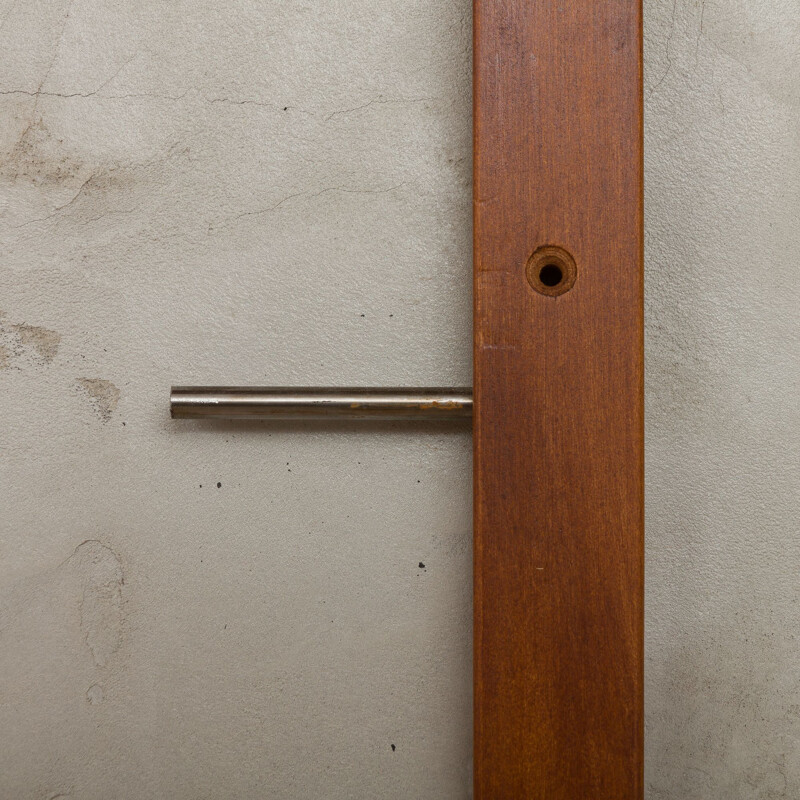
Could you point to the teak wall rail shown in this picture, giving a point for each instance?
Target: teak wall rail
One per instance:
(558, 415)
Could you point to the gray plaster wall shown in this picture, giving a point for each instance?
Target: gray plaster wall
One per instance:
(279, 192)
(722, 124)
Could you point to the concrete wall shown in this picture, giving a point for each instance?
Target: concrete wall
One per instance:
(723, 443)
(279, 192)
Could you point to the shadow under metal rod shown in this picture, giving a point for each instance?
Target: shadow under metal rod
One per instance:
(281, 403)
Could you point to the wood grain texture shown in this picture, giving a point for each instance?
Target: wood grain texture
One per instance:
(559, 423)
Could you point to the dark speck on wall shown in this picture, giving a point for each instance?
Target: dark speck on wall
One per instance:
(394, 747)
(219, 485)
(421, 565)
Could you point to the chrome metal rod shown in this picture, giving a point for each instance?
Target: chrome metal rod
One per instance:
(279, 403)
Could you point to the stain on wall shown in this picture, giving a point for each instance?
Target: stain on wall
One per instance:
(103, 396)
(99, 570)
(94, 694)
(40, 159)
(61, 633)
(23, 343)
(42, 341)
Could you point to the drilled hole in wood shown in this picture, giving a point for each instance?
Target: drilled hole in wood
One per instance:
(551, 275)
(551, 271)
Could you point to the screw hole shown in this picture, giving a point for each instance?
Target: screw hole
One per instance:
(551, 270)
(551, 275)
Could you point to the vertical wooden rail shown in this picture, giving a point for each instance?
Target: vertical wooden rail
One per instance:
(558, 400)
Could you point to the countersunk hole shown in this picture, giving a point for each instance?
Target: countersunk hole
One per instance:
(551, 275)
(551, 270)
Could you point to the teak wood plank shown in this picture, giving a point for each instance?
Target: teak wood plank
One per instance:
(558, 420)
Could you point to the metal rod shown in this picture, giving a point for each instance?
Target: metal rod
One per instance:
(279, 403)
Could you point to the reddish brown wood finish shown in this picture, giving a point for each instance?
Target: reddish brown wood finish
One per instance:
(558, 428)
